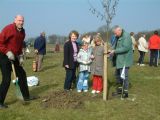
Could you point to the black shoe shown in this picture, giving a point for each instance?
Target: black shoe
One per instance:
(31, 98)
(125, 95)
(119, 90)
(3, 106)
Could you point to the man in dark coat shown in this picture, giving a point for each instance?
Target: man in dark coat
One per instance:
(40, 50)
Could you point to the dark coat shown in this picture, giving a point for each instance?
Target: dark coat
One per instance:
(68, 54)
(40, 45)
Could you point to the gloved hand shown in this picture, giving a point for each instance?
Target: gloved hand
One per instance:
(10, 55)
(36, 51)
(21, 60)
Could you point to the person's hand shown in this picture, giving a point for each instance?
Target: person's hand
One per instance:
(66, 66)
(111, 52)
(92, 57)
(10, 55)
(21, 60)
(84, 62)
(36, 51)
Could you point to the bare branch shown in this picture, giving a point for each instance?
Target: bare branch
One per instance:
(109, 10)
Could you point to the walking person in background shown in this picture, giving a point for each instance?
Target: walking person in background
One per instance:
(84, 59)
(57, 47)
(123, 53)
(70, 64)
(97, 65)
(134, 43)
(142, 48)
(40, 50)
(154, 46)
(11, 44)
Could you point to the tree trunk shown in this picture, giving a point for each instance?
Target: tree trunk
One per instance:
(105, 88)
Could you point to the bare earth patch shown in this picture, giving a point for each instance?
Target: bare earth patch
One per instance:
(64, 100)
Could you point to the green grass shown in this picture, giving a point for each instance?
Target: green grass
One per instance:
(145, 82)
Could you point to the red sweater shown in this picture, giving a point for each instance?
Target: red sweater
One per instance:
(11, 39)
(154, 42)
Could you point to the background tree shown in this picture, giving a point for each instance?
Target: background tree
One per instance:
(53, 39)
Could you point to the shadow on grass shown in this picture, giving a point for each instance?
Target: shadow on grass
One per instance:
(29, 57)
(47, 57)
(51, 66)
(11, 102)
(113, 84)
(17, 100)
(35, 91)
(110, 85)
(41, 89)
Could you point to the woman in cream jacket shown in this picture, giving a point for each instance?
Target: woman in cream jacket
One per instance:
(142, 48)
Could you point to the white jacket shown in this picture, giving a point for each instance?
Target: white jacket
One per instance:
(84, 59)
(142, 44)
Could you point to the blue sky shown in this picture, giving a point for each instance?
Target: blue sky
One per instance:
(62, 16)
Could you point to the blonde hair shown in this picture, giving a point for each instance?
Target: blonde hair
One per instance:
(97, 38)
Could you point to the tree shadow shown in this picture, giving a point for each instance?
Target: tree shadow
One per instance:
(110, 85)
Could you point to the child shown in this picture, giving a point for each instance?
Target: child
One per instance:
(84, 59)
(97, 65)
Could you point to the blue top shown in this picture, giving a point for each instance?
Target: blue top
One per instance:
(79, 42)
(113, 40)
(40, 45)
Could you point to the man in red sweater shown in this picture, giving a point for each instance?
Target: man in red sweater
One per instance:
(154, 46)
(11, 43)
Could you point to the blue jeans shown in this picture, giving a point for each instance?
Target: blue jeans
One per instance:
(82, 83)
(120, 80)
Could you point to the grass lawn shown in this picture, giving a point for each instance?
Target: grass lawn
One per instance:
(145, 82)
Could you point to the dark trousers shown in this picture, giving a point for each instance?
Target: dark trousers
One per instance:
(154, 57)
(119, 80)
(70, 77)
(141, 57)
(5, 66)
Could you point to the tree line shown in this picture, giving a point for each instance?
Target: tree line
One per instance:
(60, 39)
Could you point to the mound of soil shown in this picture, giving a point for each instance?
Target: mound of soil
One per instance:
(64, 100)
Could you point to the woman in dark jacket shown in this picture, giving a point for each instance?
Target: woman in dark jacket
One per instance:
(70, 59)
